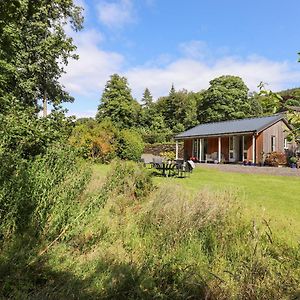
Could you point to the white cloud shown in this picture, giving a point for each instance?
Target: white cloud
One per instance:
(88, 75)
(193, 74)
(82, 114)
(195, 49)
(116, 14)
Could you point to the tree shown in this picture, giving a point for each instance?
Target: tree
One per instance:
(34, 48)
(225, 99)
(170, 108)
(270, 102)
(117, 103)
(147, 99)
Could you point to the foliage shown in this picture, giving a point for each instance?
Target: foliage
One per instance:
(293, 159)
(38, 197)
(166, 243)
(154, 135)
(95, 140)
(130, 145)
(147, 99)
(294, 120)
(179, 109)
(290, 97)
(117, 103)
(168, 155)
(103, 141)
(34, 47)
(270, 101)
(225, 99)
(274, 159)
(25, 134)
(129, 179)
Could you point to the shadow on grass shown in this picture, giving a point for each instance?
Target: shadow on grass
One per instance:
(108, 280)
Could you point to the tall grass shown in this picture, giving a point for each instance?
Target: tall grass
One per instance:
(135, 241)
(40, 196)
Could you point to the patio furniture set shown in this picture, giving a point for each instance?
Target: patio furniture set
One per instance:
(178, 168)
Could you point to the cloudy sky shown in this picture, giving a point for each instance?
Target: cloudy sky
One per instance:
(155, 43)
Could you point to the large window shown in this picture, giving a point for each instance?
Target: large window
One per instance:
(273, 143)
(231, 147)
(245, 148)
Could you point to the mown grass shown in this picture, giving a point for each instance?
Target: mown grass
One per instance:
(276, 198)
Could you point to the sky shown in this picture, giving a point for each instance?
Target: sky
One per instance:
(157, 43)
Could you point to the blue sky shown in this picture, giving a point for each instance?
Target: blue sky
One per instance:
(155, 43)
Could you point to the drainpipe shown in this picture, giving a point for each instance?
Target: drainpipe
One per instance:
(176, 149)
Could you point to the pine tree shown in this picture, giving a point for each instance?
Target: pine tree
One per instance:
(147, 99)
(169, 113)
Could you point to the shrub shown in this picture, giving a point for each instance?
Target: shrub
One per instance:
(275, 159)
(130, 179)
(130, 145)
(168, 155)
(95, 141)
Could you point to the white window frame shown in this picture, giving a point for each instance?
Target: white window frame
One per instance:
(273, 143)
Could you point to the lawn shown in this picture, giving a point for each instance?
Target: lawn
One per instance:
(274, 198)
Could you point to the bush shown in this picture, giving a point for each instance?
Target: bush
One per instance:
(130, 145)
(96, 141)
(24, 133)
(129, 179)
(274, 159)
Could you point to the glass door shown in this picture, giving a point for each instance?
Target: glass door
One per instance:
(232, 149)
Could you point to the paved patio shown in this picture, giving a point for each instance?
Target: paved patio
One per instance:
(281, 171)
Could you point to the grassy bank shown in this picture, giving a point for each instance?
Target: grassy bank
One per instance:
(139, 241)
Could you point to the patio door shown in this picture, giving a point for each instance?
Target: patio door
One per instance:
(233, 148)
(198, 149)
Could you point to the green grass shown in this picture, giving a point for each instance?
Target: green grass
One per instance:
(275, 198)
(186, 239)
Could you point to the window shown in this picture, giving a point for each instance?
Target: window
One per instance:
(231, 143)
(245, 148)
(273, 143)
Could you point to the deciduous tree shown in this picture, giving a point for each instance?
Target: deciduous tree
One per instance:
(34, 48)
(225, 99)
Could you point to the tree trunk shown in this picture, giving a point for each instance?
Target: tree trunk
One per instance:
(45, 106)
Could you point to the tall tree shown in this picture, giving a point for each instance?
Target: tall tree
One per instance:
(34, 48)
(225, 99)
(117, 103)
(147, 99)
(170, 108)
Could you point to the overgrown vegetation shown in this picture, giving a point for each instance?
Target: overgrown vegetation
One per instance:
(133, 242)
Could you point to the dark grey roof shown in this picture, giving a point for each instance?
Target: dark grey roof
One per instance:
(231, 127)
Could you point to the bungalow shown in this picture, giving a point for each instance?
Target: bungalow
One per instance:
(237, 140)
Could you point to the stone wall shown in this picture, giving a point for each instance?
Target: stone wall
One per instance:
(156, 149)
